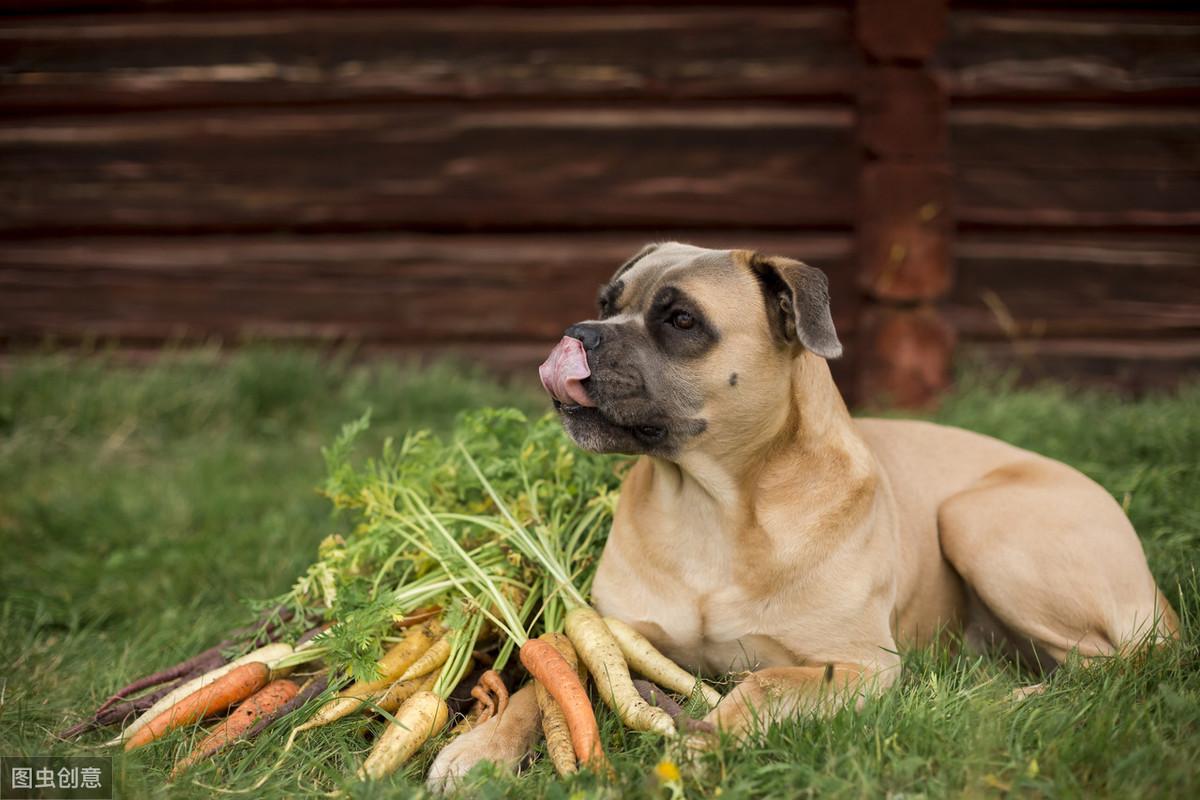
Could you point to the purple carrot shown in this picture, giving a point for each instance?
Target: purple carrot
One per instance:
(116, 714)
(312, 633)
(209, 659)
(311, 690)
(657, 697)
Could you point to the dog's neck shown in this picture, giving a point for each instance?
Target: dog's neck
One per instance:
(728, 474)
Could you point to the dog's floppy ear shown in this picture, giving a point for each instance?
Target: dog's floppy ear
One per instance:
(638, 256)
(797, 297)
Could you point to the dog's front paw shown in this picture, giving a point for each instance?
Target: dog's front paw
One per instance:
(504, 740)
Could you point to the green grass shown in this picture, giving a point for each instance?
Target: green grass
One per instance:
(140, 508)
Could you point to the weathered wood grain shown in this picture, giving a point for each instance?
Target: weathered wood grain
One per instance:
(1081, 55)
(1022, 286)
(224, 59)
(401, 291)
(41, 7)
(1071, 166)
(441, 168)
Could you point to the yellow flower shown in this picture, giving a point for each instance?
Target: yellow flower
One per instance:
(666, 771)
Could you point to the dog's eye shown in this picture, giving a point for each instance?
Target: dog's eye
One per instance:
(683, 320)
(603, 303)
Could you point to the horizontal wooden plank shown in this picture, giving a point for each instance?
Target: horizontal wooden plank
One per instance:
(1081, 55)
(1076, 286)
(1076, 166)
(214, 59)
(1125, 365)
(48, 7)
(1130, 8)
(441, 168)
(401, 291)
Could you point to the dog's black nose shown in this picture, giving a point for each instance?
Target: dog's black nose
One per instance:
(588, 334)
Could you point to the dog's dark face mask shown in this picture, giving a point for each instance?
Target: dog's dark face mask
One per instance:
(684, 337)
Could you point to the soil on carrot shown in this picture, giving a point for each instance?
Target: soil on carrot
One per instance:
(140, 507)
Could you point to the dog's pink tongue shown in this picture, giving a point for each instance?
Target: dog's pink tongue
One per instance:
(563, 372)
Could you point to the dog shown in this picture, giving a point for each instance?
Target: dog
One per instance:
(764, 530)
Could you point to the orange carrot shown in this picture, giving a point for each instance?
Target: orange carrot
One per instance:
(491, 698)
(263, 702)
(549, 667)
(554, 724)
(219, 695)
(485, 706)
(494, 684)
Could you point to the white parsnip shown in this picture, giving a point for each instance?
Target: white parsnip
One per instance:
(645, 658)
(600, 652)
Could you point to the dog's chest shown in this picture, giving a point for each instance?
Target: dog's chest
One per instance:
(703, 629)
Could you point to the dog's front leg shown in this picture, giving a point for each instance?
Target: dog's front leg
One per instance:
(778, 693)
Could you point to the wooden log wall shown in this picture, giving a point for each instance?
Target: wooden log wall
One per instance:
(427, 179)
(438, 177)
(905, 225)
(1074, 140)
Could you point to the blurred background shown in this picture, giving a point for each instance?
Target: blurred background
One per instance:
(1016, 182)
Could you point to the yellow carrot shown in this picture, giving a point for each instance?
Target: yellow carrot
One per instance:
(420, 717)
(393, 663)
(401, 690)
(433, 658)
(416, 642)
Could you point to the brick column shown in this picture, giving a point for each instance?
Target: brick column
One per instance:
(904, 216)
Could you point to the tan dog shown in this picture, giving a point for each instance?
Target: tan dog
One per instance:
(763, 529)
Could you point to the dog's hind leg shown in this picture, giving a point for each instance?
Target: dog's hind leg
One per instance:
(1054, 559)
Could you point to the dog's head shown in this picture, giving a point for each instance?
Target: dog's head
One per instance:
(690, 345)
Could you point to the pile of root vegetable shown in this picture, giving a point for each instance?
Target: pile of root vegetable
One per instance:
(453, 556)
